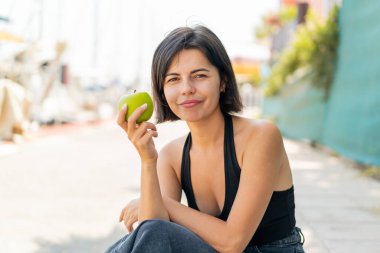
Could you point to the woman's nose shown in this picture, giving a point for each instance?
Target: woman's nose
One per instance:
(187, 86)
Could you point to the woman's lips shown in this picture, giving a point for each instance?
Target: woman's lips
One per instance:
(190, 103)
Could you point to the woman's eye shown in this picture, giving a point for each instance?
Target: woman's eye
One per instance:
(172, 80)
(199, 76)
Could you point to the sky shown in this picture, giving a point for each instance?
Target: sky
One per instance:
(117, 38)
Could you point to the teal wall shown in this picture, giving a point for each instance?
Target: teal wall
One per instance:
(349, 121)
(299, 110)
(352, 124)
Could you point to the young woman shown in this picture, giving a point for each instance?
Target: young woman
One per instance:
(234, 171)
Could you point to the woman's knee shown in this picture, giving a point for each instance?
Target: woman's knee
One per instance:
(152, 236)
(155, 224)
(155, 228)
(165, 236)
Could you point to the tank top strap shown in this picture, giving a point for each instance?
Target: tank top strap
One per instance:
(229, 146)
(231, 167)
(231, 170)
(185, 174)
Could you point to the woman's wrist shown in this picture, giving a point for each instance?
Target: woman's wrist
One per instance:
(167, 203)
(149, 164)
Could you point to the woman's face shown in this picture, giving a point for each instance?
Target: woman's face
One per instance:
(192, 85)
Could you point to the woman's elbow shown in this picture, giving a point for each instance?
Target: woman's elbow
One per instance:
(233, 244)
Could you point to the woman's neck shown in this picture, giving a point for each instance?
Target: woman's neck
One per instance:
(208, 132)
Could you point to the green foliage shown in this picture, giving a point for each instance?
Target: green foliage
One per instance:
(255, 79)
(373, 172)
(287, 14)
(264, 30)
(314, 47)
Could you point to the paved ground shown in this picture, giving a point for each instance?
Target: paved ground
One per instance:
(62, 193)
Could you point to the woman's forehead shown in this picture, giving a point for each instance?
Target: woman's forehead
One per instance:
(189, 59)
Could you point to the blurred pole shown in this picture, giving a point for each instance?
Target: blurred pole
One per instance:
(118, 32)
(302, 11)
(95, 34)
(41, 19)
(59, 20)
(140, 31)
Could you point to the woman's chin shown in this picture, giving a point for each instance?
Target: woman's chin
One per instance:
(190, 117)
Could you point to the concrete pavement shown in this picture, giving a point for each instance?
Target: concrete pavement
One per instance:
(64, 192)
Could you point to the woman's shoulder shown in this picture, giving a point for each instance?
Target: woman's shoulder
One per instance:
(254, 127)
(257, 141)
(174, 145)
(171, 152)
(256, 132)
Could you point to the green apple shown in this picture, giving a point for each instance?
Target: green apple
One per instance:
(134, 101)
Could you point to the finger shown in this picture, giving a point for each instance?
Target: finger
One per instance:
(129, 226)
(148, 136)
(143, 128)
(135, 115)
(146, 139)
(149, 125)
(126, 217)
(121, 215)
(121, 115)
(124, 126)
(129, 222)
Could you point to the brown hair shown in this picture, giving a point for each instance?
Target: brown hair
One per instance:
(203, 39)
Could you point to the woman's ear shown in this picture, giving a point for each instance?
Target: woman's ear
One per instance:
(222, 86)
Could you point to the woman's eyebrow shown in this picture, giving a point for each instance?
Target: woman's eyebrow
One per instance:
(171, 74)
(200, 69)
(192, 72)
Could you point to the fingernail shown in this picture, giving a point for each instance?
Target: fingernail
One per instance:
(124, 107)
(144, 106)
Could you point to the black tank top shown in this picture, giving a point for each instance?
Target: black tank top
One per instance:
(279, 218)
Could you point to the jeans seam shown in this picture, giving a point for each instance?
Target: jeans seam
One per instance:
(302, 237)
(257, 249)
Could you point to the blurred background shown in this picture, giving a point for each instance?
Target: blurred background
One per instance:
(310, 66)
(73, 58)
(295, 62)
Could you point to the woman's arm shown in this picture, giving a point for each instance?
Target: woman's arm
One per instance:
(151, 205)
(260, 168)
(169, 183)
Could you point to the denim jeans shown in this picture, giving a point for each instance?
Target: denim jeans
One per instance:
(158, 236)
(290, 244)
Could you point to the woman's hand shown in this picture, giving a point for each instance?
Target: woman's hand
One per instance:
(139, 134)
(129, 214)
